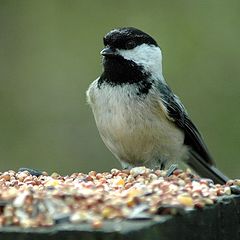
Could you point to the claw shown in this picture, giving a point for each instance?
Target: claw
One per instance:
(171, 169)
(33, 172)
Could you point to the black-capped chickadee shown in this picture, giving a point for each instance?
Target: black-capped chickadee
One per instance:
(138, 116)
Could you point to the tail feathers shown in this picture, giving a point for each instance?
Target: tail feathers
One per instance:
(205, 169)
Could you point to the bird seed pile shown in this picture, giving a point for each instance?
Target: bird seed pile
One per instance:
(139, 193)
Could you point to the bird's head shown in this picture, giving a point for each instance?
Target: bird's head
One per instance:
(128, 48)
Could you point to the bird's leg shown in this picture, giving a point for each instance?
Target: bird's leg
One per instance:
(160, 164)
(171, 169)
(126, 165)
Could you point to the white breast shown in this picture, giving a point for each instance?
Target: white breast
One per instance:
(136, 131)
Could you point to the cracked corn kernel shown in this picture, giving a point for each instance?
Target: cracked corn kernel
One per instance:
(185, 200)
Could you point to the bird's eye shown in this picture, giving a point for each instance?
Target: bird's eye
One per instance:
(131, 45)
(104, 41)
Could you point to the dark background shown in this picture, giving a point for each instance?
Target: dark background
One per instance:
(49, 54)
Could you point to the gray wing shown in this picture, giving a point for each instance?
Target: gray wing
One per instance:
(200, 159)
(179, 116)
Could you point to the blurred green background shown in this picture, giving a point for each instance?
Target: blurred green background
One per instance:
(49, 54)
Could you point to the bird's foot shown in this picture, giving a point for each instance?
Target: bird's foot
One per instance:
(33, 172)
(171, 170)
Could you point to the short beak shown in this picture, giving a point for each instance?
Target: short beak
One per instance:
(108, 51)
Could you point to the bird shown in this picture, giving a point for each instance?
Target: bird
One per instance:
(139, 118)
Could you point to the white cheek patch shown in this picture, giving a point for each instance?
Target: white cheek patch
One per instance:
(148, 56)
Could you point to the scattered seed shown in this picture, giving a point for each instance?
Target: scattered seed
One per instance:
(28, 200)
